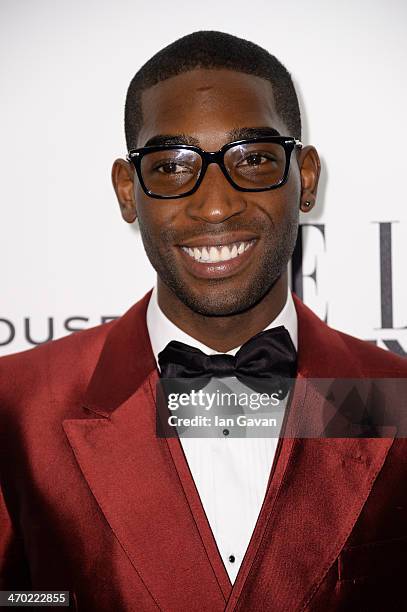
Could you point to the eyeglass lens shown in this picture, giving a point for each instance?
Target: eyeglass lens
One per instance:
(249, 165)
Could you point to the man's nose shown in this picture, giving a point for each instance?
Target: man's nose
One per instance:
(216, 199)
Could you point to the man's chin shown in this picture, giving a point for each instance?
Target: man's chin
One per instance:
(221, 297)
(219, 303)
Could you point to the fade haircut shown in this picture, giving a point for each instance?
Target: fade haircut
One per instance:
(212, 50)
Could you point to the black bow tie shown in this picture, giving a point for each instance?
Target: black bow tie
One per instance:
(267, 355)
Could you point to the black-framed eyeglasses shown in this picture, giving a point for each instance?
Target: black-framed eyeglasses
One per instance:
(177, 170)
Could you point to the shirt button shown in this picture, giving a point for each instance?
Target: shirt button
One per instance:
(225, 432)
(232, 558)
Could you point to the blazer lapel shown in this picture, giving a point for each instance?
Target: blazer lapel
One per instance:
(132, 475)
(319, 495)
(324, 488)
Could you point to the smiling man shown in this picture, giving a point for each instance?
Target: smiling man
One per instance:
(93, 501)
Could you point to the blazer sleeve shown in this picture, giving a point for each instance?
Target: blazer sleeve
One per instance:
(14, 571)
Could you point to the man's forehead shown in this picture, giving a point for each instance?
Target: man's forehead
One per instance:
(205, 104)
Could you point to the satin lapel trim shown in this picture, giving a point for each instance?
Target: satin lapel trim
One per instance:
(194, 501)
(199, 515)
(276, 479)
(324, 487)
(132, 477)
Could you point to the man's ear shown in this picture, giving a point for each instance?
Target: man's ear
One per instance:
(310, 168)
(123, 183)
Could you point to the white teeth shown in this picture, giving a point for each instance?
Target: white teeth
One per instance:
(214, 254)
(225, 253)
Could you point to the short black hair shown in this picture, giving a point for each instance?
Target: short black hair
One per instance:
(213, 50)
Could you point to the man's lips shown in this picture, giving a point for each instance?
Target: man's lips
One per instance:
(217, 256)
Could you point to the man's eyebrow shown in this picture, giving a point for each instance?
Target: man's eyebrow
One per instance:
(250, 132)
(164, 139)
(235, 134)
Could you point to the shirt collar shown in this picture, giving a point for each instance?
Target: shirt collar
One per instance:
(161, 330)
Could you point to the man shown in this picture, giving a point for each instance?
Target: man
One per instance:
(93, 501)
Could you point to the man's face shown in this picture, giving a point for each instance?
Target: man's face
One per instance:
(215, 107)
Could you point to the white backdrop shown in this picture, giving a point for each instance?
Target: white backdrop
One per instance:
(66, 252)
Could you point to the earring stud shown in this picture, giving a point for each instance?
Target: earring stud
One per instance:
(307, 204)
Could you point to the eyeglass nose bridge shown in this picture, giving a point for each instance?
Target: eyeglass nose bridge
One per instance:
(214, 157)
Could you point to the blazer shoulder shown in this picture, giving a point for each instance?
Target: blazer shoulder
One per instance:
(373, 360)
(56, 366)
(324, 351)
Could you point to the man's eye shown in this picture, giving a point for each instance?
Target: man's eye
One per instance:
(172, 168)
(256, 159)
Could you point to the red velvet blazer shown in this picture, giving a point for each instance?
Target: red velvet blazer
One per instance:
(94, 503)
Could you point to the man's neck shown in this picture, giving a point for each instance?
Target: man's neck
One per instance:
(223, 333)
